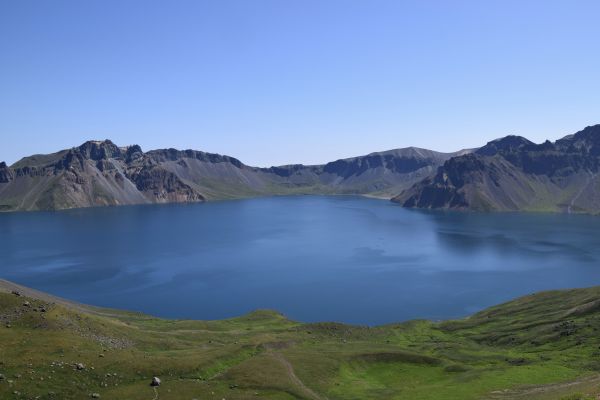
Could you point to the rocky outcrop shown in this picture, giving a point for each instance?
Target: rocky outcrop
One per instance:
(360, 165)
(99, 150)
(163, 186)
(6, 174)
(175, 155)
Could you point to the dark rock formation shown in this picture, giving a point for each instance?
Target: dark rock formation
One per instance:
(6, 174)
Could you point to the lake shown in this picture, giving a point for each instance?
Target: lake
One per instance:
(313, 258)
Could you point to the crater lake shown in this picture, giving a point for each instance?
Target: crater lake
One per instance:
(313, 258)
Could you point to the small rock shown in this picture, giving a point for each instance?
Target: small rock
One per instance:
(1, 377)
(16, 293)
(95, 395)
(155, 381)
(26, 304)
(80, 366)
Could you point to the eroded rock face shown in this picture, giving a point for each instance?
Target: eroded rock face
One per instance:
(133, 153)
(99, 150)
(360, 165)
(444, 189)
(586, 141)
(504, 145)
(164, 186)
(6, 174)
(175, 155)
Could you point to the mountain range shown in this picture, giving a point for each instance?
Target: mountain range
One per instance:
(507, 174)
(100, 173)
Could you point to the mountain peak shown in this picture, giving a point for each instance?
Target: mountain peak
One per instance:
(100, 149)
(589, 132)
(587, 140)
(133, 152)
(506, 144)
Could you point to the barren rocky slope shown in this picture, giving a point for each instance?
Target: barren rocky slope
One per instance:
(514, 174)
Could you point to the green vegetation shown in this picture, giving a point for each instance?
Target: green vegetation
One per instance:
(543, 346)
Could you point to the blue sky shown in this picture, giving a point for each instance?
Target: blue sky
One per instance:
(290, 81)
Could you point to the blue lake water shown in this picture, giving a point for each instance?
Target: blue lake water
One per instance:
(313, 258)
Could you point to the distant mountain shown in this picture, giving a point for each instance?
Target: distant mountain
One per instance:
(99, 173)
(512, 174)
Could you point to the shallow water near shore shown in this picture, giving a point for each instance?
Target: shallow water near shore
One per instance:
(313, 258)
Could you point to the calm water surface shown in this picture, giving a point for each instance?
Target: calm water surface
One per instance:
(346, 259)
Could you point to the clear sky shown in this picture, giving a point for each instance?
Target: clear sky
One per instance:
(294, 81)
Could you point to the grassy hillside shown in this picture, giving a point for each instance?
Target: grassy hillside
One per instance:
(543, 346)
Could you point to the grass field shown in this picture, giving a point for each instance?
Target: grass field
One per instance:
(543, 346)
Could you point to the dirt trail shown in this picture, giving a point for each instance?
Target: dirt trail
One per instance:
(541, 391)
(578, 195)
(308, 392)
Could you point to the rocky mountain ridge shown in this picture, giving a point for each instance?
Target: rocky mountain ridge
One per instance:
(515, 174)
(100, 173)
(507, 174)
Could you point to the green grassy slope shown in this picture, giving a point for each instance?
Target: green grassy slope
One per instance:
(543, 346)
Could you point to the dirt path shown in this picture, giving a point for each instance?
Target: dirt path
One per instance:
(155, 393)
(308, 392)
(31, 192)
(542, 391)
(578, 195)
